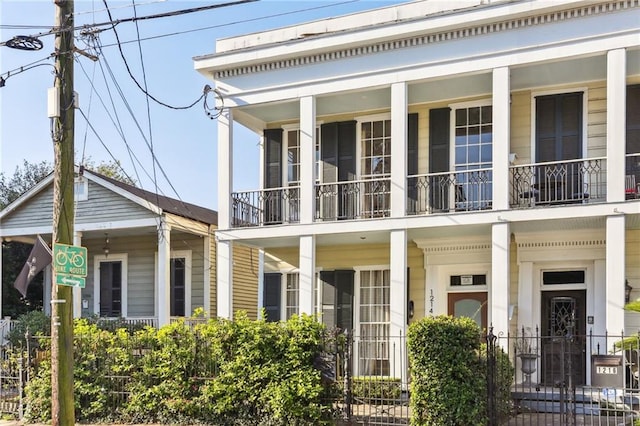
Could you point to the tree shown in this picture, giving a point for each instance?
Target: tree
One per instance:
(112, 169)
(22, 180)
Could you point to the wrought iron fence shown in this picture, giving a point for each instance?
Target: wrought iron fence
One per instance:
(357, 199)
(269, 206)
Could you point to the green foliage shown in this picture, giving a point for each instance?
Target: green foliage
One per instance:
(503, 377)
(22, 180)
(217, 372)
(37, 323)
(447, 381)
(373, 390)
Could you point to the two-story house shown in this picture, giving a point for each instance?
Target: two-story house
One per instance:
(476, 158)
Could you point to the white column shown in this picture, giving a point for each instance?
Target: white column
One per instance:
(47, 283)
(616, 119)
(399, 111)
(398, 302)
(2, 281)
(599, 326)
(77, 291)
(163, 310)
(206, 301)
(224, 288)
(307, 159)
(499, 302)
(307, 268)
(225, 168)
(501, 121)
(615, 273)
(260, 282)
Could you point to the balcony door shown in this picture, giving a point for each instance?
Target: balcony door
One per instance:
(559, 138)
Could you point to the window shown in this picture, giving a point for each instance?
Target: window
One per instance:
(178, 286)
(281, 295)
(473, 129)
(292, 294)
(373, 356)
(375, 167)
(81, 189)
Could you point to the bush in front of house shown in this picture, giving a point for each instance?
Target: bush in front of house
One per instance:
(503, 379)
(217, 372)
(447, 381)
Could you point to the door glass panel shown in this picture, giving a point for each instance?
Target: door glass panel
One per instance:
(469, 308)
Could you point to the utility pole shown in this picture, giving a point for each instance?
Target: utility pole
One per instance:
(62, 406)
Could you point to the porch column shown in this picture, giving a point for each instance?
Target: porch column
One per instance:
(616, 122)
(163, 310)
(526, 297)
(500, 239)
(307, 192)
(47, 283)
(206, 273)
(224, 292)
(398, 303)
(501, 125)
(225, 174)
(599, 326)
(307, 268)
(615, 273)
(77, 291)
(399, 111)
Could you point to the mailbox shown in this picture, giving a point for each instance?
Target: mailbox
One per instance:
(607, 371)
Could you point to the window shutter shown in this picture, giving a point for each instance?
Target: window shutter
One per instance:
(346, 151)
(337, 298)
(273, 158)
(272, 296)
(633, 120)
(439, 141)
(329, 152)
(412, 160)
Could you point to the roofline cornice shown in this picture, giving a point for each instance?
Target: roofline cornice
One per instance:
(356, 43)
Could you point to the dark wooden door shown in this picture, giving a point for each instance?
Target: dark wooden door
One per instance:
(472, 305)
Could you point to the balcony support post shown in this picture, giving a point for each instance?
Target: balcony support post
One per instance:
(163, 307)
(225, 174)
(307, 158)
(399, 111)
(500, 278)
(307, 273)
(501, 119)
(616, 122)
(615, 271)
(398, 302)
(224, 285)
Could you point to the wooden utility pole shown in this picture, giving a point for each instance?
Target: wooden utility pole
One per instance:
(62, 406)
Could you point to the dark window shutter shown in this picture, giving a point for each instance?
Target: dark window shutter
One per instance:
(273, 158)
(439, 142)
(559, 127)
(329, 152)
(272, 296)
(178, 286)
(337, 298)
(412, 160)
(346, 151)
(633, 120)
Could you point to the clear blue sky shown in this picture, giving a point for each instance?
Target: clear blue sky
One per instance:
(184, 141)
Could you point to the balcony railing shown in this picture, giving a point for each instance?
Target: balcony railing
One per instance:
(270, 206)
(558, 183)
(358, 199)
(449, 191)
(632, 177)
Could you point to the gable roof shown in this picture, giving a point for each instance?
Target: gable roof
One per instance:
(150, 200)
(166, 204)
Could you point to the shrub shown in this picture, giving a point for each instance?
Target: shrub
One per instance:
(36, 322)
(503, 379)
(446, 372)
(376, 389)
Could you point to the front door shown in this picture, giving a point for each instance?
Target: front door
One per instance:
(111, 289)
(472, 305)
(563, 342)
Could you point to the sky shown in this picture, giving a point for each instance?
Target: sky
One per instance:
(115, 119)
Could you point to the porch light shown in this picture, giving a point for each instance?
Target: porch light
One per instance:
(627, 291)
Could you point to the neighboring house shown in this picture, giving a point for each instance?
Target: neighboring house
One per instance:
(474, 157)
(150, 258)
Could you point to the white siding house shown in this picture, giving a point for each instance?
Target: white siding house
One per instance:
(477, 158)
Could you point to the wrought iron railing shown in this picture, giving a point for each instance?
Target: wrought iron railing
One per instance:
(632, 177)
(464, 190)
(269, 206)
(558, 183)
(357, 199)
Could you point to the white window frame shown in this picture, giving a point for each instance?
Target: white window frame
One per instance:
(81, 188)
(112, 257)
(177, 254)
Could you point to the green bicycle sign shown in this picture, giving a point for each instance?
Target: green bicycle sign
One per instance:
(71, 260)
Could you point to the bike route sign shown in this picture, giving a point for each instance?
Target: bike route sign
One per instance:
(70, 260)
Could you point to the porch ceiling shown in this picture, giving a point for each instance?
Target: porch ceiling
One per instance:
(538, 75)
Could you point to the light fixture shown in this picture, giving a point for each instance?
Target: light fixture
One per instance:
(106, 245)
(627, 291)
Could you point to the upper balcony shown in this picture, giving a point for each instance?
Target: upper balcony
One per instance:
(531, 186)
